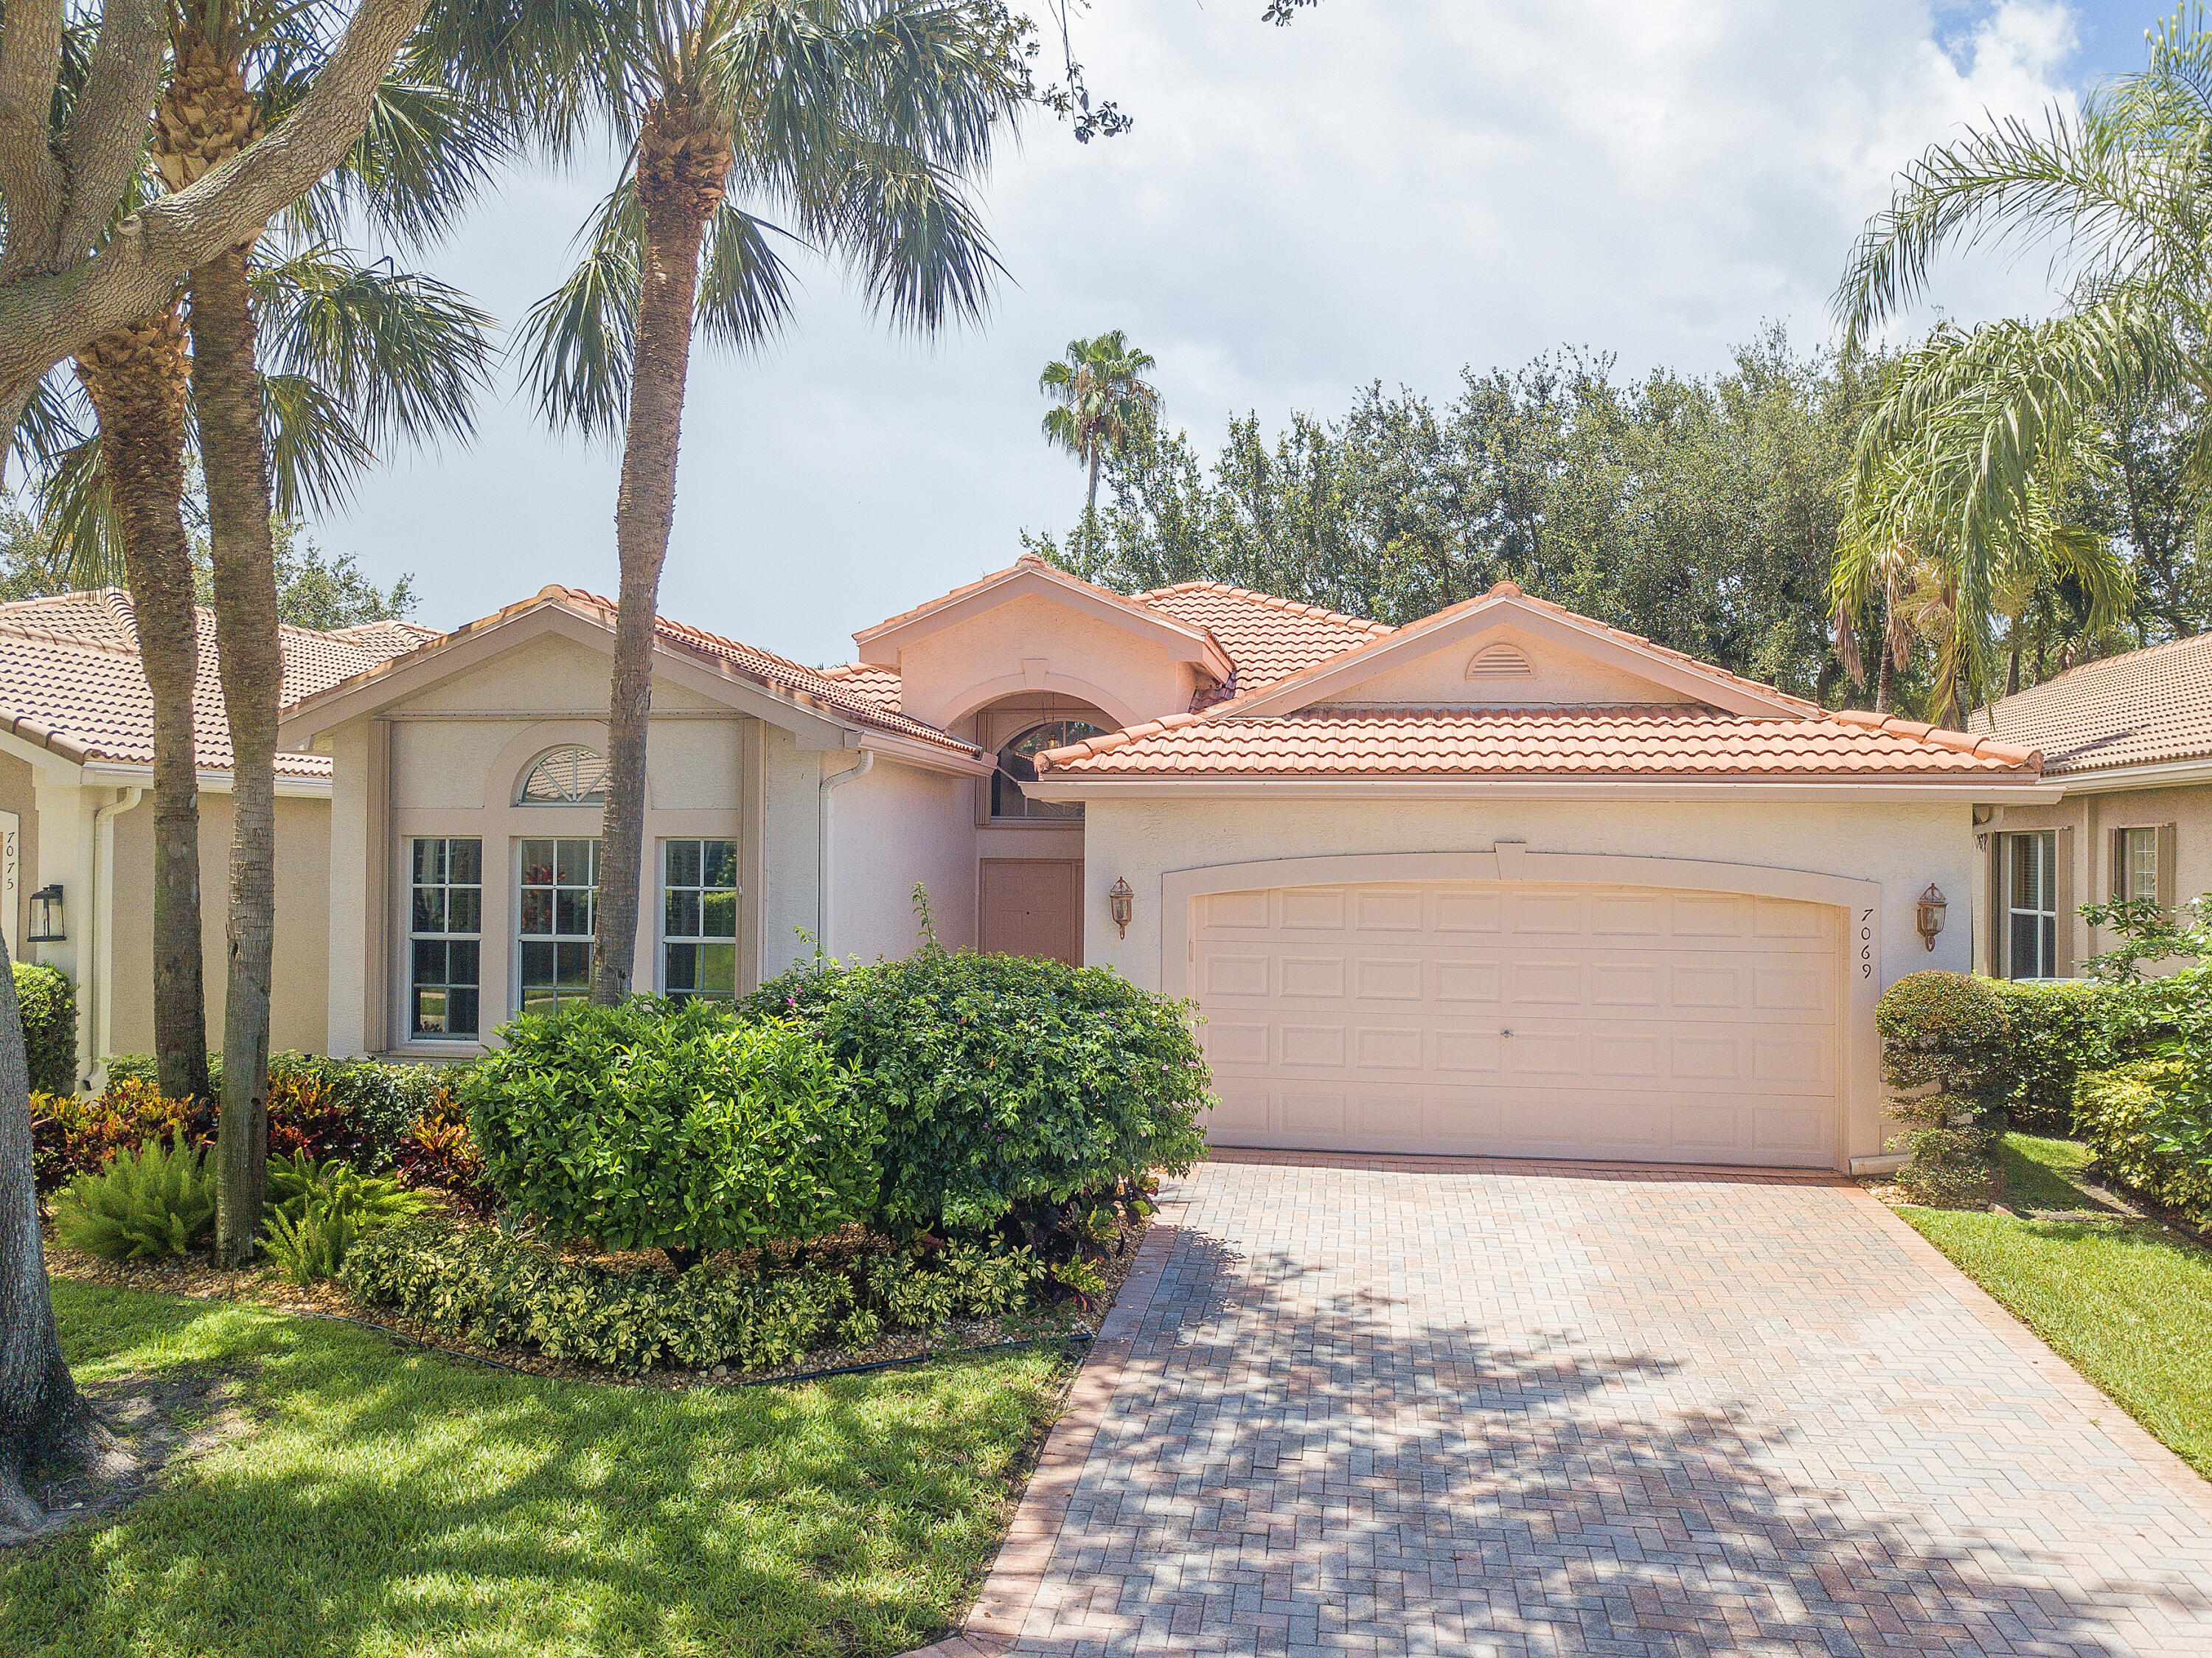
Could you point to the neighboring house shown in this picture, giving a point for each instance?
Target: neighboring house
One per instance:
(76, 751)
(1504, 880)
(2128, 740)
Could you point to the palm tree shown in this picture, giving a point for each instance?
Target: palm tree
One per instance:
(373, 350)
(857, 123)
(1976, 428)
(1104, 404)
(209, 114)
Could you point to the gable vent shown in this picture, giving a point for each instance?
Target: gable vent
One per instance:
(1499, 662)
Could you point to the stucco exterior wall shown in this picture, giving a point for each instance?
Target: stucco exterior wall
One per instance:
(1557, 675)
(1900, 846)
(790, 796)
(19, 795)
(2092, 816)
(300, 1001)
(451, 761)
(894, 826)
(1029, 643)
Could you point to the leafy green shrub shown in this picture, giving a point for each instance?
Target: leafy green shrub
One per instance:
(158, 1199)
(2125, 1114)
(76, 1134)
(1945, 1039)
(908, 1294)
(2058, 1031)
(479, 1284)
(990, 1284)
(656, 1125)
(1004, 1082)
(48, 1002)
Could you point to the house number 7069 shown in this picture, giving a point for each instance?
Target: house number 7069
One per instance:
(1865, 944)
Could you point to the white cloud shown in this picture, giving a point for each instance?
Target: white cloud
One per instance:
(1388, 189)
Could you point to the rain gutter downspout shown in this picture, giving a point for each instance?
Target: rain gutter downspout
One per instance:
(822, 816)
(99, 997)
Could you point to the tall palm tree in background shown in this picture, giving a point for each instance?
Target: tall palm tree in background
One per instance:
(1966, 453)
(859, 123)
(1104, 404)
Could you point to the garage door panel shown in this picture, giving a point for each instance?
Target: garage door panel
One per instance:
(1306, 977)
(1462, 912)
(1320, 907)
(1690, 1025)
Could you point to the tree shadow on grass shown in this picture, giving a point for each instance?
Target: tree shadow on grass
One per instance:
(391, 1501)
(1298, 1460)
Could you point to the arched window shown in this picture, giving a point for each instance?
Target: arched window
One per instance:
(568, 776)
(1018, 765)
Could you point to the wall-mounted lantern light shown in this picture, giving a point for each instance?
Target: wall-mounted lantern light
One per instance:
(46, 919)
(1122, 904)
(1929, 918)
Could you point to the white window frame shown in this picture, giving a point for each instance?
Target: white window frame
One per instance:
(409, 1035)
(662, 939)
(2045, 914)
(517, 937)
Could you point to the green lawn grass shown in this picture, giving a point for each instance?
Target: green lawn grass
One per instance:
(392, 1501)
(2130, 1306)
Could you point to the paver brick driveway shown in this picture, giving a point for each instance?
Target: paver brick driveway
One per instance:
(1490, 1408)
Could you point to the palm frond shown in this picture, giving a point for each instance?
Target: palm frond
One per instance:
(745, 286)
(577, 342)
(317, 452)
(79, 509)
(2071, 184)
(404, 355)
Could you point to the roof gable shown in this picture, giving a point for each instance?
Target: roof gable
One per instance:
(816, 706)
(1030, 577)
(1422, 664)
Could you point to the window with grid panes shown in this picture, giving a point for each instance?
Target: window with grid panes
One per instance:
(554, 892)
(699, 920)
(444, 935)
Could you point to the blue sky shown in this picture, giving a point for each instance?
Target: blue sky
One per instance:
(1388, 190)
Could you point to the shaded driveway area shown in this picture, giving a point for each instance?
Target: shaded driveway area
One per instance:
(1454, 1406)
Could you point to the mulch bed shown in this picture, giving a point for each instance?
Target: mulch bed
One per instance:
(267, 1286)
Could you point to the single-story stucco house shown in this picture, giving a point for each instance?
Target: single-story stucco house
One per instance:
(2127, 742)
(1505, 881)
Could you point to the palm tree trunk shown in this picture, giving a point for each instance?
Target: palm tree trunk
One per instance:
(43, 1417)
(136, 379)
(1881, 676)
(227, 389)
(1091, 505)
(680, 172)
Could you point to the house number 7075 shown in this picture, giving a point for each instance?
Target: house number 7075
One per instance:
(1865, 944)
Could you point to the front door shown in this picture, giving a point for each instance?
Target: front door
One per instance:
(1033, 906)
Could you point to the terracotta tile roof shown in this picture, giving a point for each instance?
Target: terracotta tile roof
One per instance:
(2142, 709)
(70, 679)
(1268, 638)
(857, 695)
(879, 687)
(1669, 740)
(1718, 677)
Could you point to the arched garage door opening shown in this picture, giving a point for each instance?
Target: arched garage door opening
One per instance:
(1524, 1018)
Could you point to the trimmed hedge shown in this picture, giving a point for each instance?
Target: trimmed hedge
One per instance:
(1007, 1087)
(1944, 1039)
(2059, 1032)
(2115, 1111)
(480, 1284)
(48, 1002)
(675, 1127)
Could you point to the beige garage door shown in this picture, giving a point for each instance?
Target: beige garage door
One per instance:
(1504, 1020)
